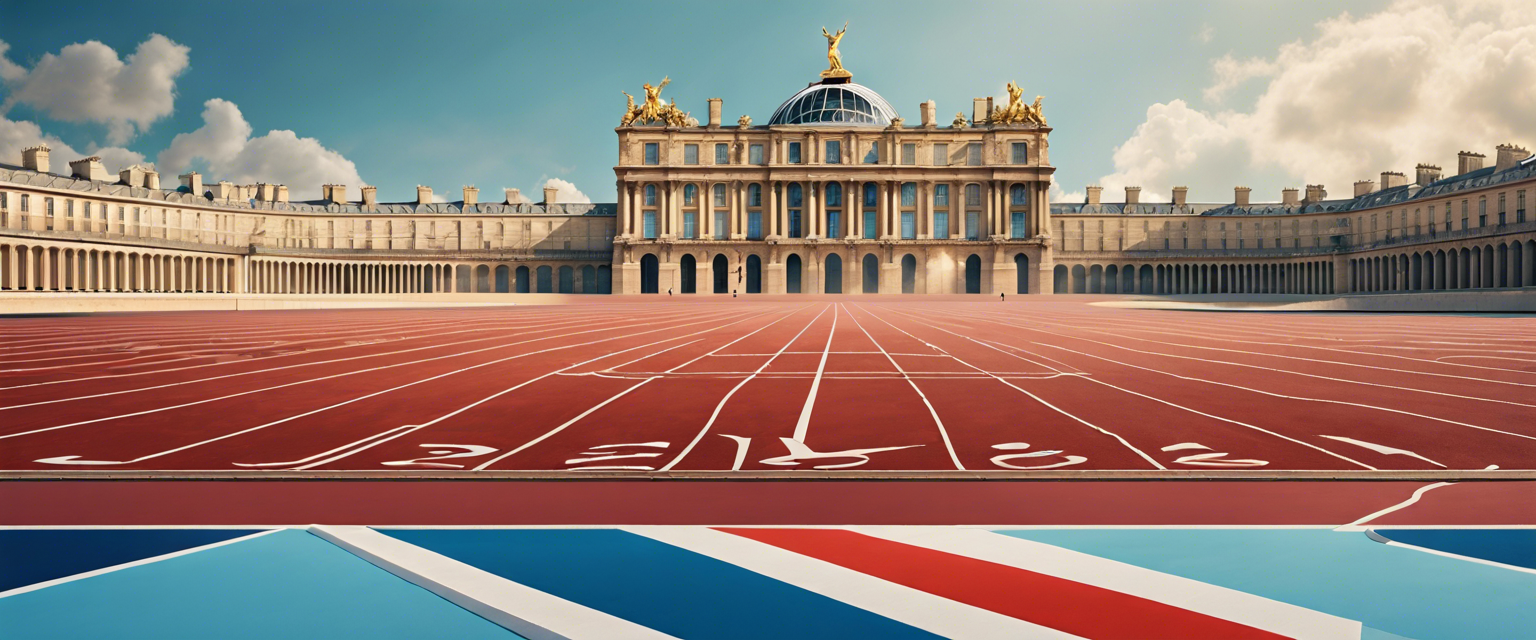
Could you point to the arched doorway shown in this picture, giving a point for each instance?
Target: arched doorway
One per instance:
(1021, 271)
(1079, 279)
(650, 273)
(754, 274)
(1146, 280)
(871, 273)
(721, 274)
(589, 279)
(1059, 279)
(503, 277)
(909, 274)
(567, 280)
(522, 280)
(688, 274)
(973, 274)
(605, 279)
(792, 274)
(482, 279)
(833, 278)
(545, 277)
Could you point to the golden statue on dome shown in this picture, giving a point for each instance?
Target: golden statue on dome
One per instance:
(834, 59)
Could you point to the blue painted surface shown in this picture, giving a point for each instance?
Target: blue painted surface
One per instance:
(654, 584)
(30, 556)
(1510, 546)
(288, 584)
(1390, 589)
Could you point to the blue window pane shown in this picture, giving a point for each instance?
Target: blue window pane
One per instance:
(834, 224)
(908, 225)
(796, 195)
(1018, 194)
(971, 222)
(941, 225)
(690, 194)
(834, 195)
(721, 224)
(1020, 153)
(755, 154)
(719, 191)
(873, 157)
(909, 194)
(794, 153)
(870, 225)
(650, 195)
(650, 224)
(755, 195)
(1018, 225)
(794, 223)
(871, 196)
(835, 149)
(652, 153)
(722, 154)
(690, 224)
(941, 195)
(755, 225)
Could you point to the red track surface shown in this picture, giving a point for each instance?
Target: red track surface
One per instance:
(932, 385)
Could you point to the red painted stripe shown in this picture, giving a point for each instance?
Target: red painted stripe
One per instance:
(1076, 608)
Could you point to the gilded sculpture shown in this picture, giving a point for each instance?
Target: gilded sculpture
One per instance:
(834, 59)
(960, 121)
(653, 110)
(1017, 112)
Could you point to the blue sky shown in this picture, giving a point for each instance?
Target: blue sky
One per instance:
(507, 95)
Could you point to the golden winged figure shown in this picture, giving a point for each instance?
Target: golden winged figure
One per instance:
(1017, 112)
(653, 110)
(834, 58)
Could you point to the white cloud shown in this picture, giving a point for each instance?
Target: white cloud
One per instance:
(225, 144)
(16, 135)
(1231, 72)
(88, 82)
(1413, 83)
(566, 192)
(1206, 33)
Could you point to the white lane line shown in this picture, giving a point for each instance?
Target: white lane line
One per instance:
(1382, 449)
(932, 413)
(721, 406)
(1412, 500)
(519, 608)
(1232, 605)
(931, 613)
(803, 425)
(135, 563)
(1036, 398)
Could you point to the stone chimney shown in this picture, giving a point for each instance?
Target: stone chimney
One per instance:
(1427, 173)
(35, 158)
(514, 196)
(1133, 195)
(334, 193)
(1315, 194)
(980, 109)
(549, 195)
(1240, 196)
(266, 192)
(88, 169)
(1392, 180)
(930, 114)
(224, 190)
(1508, 155)
(151, 179)
(1467, 162)
(1180, 196)
(1094, 193)
(1364, 187)
(192, 182)
(714, 111)
(370, 197)
(423, 195)
(282, 193)
(471, 196)
(1288, 197)
(132, 176)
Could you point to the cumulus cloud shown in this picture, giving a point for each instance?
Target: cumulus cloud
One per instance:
(16, 135)
(1413, 83)
(566, 192)
(88, 82)
(225, 145)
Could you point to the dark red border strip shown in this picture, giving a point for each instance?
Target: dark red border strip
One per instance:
(68, 502)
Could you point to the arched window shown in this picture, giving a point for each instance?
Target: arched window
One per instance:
(650, 195)
(871, 210)
(719, 191)
(908, 210)
(796, 200)
(1018, 209)
(690, 211)
(754, 195)
(690, 195)
(1017, 194)
(755, 211)
(834, 210)
(834, 195)
(973, 212)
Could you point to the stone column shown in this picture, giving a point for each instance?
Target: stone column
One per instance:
(772, 211)
(623, 218)
(882, 210)
(925, 209)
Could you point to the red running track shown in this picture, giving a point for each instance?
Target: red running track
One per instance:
(766, 386)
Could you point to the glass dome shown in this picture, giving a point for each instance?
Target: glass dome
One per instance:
(845, 103)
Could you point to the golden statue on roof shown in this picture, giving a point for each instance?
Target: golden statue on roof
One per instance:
(653, 110)
(1017, 112)
(834, 59)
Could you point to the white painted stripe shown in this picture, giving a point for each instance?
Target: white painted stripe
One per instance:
(524, 610)
(135, 563)
(1412, 500)
(903, 604)
(1184, 593)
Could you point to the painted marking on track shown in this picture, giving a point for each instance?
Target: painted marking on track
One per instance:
(1002, 460)
(933, 413)
(1412, 500)
(606, 452)
(119, 567)
(445, 452)
(1382, 449)
(742, 444)
(798, 452)
(1212, 459)
(803, 425)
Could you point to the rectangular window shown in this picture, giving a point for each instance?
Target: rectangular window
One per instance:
(26, 202)
(755, 154)
(48, 213)
(794, 223)
(940, 155)
(690, 154)
(873, 155)
(941, 195)
(5, 201)
(941, 225)
(755, 225)
(722, 153)
(1482, 212)
(973, 154)
(908, 225)
(972, 225)
(871, 225)
(652, 153)
(909, 153)
(909, 194)
(1520, 208)
(794, 153)
(973, 195)
(1020, 153)
(719, 191)
(754, 196)
(834, 223)
(722, 224)
(650, 195)
(834, 152)
(1017, 222)
(650, 225)
(1463, 215)
(690, 224)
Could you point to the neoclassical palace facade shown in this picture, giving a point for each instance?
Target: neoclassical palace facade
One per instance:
(834, 194)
